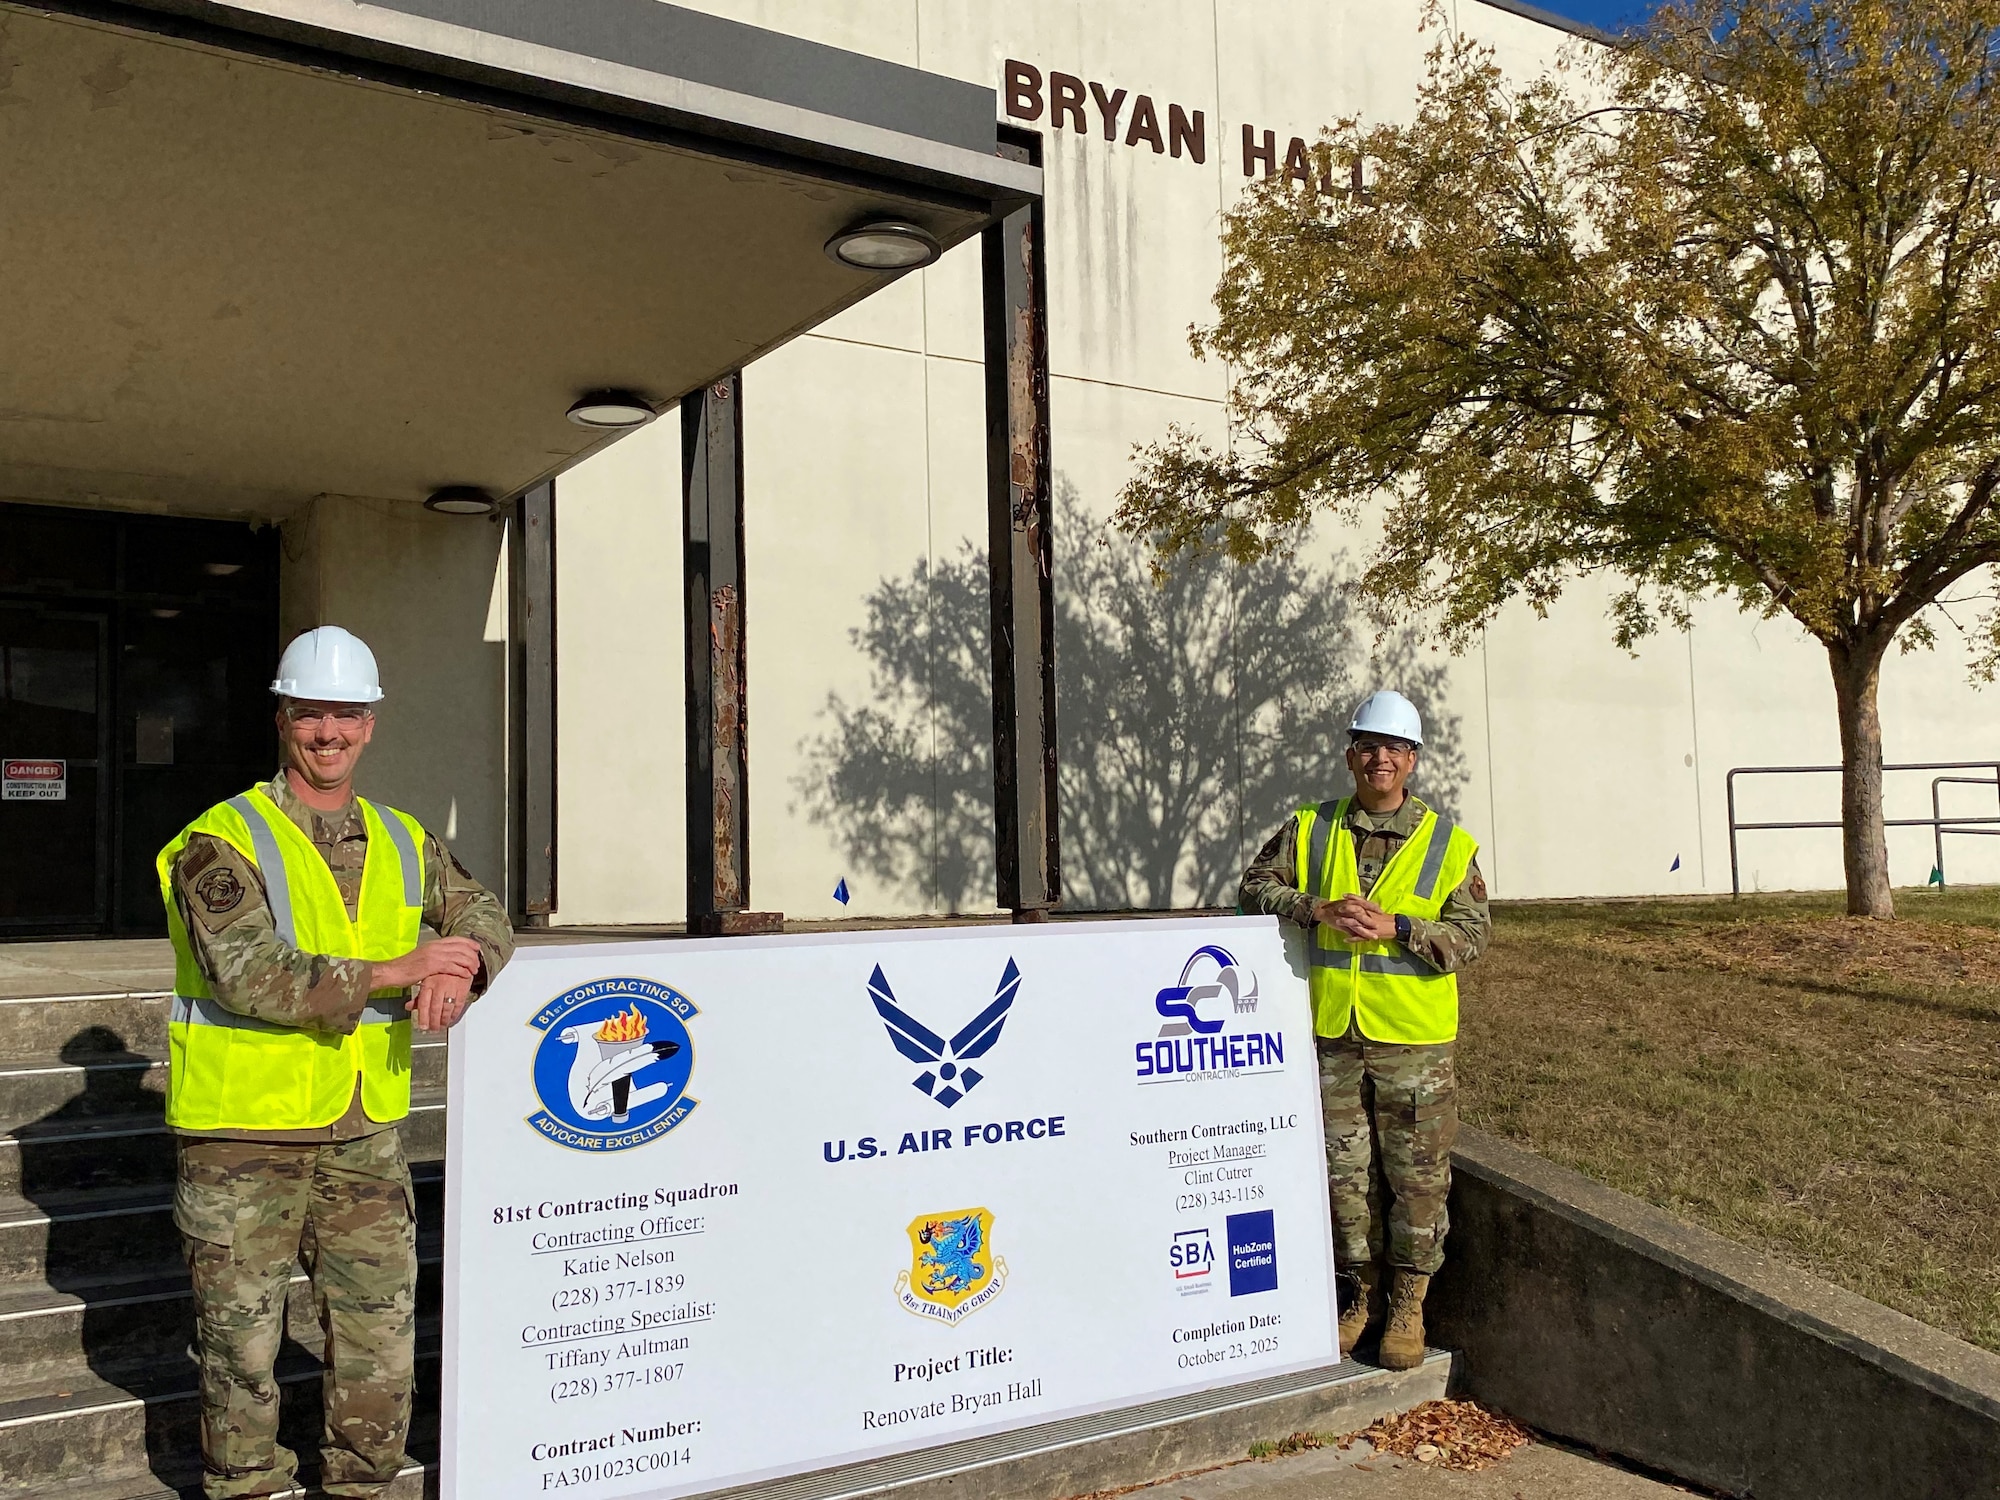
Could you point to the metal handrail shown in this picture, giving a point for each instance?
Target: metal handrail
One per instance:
(1938, 825)
(1937, 815)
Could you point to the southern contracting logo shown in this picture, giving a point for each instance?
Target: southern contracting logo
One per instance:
(613, 1064)
(953, 1271)
(1195, 1015)
(945, 1076)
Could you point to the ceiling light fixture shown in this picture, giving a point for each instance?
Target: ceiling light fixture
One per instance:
(460, 500)
(612, 411)
(885, 245)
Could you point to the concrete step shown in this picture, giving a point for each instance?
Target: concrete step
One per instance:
(86, 1084)
(67, 1238)
(120, 1430)
(418, 1481)
(71, 966)
(58, 1025)
(62, 1155)
(1106, 1452)
(136, 1321)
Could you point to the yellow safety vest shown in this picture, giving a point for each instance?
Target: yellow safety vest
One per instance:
(232, 1072)
(1393, 994)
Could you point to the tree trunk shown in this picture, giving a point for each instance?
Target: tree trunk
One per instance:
(1857, 672)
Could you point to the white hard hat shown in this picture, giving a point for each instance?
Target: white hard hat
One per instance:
(1389, 714)
(329, 665)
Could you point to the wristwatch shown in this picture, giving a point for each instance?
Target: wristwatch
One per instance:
(1402, 928)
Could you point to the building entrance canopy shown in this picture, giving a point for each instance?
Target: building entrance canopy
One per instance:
(259, 252)
(312, 261)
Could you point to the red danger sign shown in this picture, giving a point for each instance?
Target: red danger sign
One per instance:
(34, 780)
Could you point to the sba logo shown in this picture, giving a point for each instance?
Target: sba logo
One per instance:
(1192, 1257)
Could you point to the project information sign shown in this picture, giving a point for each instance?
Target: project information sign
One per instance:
(725, 1210)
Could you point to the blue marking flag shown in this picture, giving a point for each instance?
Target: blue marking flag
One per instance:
(1675, 865)
(840, 891)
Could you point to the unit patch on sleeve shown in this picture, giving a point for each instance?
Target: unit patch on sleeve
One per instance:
(219, 890)
(198, 856)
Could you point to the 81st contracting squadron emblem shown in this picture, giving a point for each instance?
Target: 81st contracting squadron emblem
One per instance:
(613, 1064)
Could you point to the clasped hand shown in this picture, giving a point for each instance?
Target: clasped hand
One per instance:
(1357, 917)
(442, 971)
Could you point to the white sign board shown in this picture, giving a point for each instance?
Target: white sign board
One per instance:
(34, 780)
(725, 1210)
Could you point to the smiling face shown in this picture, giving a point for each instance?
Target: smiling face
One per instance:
(323, 744)
(1381, 767)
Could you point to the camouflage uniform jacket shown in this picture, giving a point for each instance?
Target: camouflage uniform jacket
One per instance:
(254, 972)
(1455, 939)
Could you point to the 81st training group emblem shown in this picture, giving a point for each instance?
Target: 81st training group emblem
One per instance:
(613, 1064)
(953, 1270)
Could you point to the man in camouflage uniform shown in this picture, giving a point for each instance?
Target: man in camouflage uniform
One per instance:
(1391, 1109)
(251, 1205)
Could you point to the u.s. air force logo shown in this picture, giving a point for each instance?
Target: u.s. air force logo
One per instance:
(613, 1064)
(946, 1076)
(953, 1271)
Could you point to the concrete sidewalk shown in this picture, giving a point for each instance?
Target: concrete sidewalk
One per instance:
(1540, 1471)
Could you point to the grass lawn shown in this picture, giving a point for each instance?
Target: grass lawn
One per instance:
(1821, 1087)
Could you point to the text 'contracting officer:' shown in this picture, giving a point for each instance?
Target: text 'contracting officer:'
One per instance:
(296, 911)
(1391, 892)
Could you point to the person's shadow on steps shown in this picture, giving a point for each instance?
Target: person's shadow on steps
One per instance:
(101, 1168)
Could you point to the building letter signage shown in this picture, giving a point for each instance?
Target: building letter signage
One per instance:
(1067, 101)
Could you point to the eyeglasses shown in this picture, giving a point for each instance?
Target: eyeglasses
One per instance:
(1365, 748)
(340, 718)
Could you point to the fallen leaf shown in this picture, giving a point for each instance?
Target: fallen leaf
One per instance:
(1452, 1434)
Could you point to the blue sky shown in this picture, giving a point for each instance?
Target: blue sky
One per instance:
(1609, 15)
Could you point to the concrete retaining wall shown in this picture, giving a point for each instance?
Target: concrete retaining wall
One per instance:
(1598, 1318)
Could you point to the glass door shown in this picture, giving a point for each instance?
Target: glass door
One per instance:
(54, 770)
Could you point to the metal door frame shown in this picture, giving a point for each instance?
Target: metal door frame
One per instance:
(99, 920)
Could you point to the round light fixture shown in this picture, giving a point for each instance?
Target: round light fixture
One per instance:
(612, 411)
(884, 245)
(460, 500)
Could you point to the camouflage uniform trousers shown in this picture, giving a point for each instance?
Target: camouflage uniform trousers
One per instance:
(1391, 1115)
(249, 1213)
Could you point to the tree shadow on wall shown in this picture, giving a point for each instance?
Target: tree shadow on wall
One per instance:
(1194, 714)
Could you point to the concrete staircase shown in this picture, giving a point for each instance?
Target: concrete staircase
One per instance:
(97, 1389)
(97, 1386)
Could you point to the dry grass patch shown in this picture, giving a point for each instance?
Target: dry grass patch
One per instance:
(1820, 1087)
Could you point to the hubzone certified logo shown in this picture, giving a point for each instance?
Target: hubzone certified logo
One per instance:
(1195, 1015)
(945, 1076)
(613, 1064)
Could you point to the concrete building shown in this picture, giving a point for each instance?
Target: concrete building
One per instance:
(325, 293)
(1191, 719)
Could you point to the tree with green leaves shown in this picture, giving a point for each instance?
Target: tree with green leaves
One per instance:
(1710, 311)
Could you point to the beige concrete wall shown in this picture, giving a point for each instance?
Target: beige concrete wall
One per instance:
(427, 592)
(1583, 770)
(621, 833)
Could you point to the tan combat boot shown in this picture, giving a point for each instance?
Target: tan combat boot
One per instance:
(1403, 1338)
(1364, 1314)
